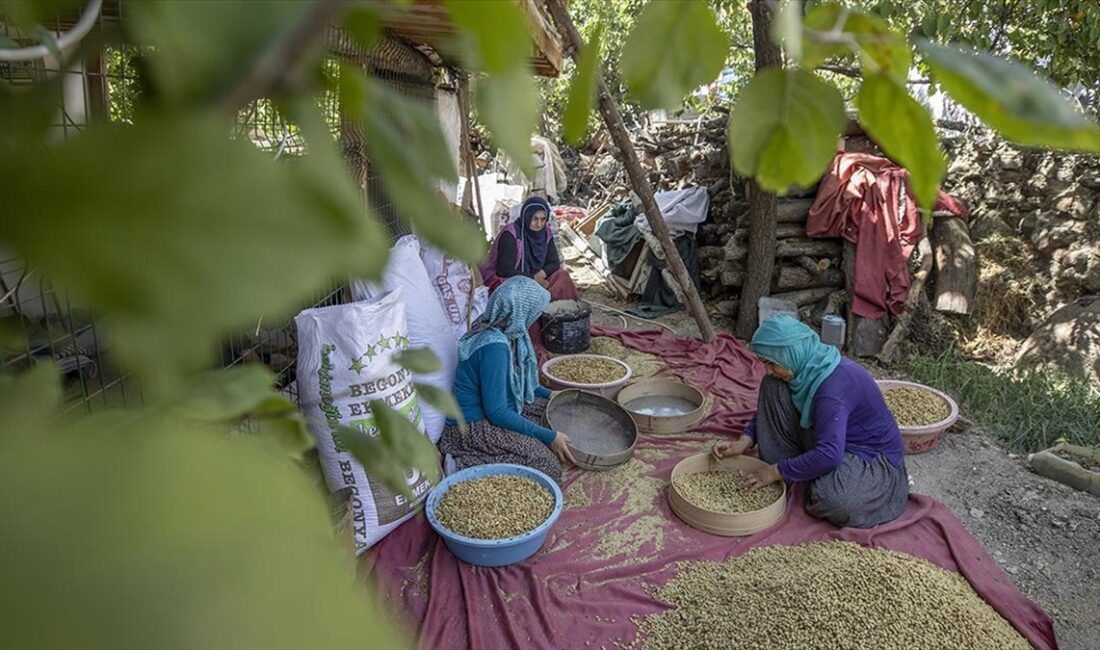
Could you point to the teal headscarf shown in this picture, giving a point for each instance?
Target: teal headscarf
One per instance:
(785, 341)
(514, 306)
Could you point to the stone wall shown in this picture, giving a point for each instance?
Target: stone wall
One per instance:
(1048, 200)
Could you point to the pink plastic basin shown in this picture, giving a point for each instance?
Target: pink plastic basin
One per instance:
(919, 439)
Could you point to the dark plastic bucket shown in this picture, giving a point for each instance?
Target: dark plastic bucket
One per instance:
(566, 326)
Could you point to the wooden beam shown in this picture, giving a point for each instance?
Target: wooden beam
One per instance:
(638, 178)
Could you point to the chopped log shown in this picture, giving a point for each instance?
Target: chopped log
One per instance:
(808, 247)
(731, 276)
(736, 249)
(782, 231)
(805, 296)
(890, 348)
(793, 210)
(869, 337)
(789, 278)
(813, 266)
(956, 266)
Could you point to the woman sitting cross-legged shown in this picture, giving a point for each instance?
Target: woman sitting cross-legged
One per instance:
(821, 420)
(527, 248)
(497, 388)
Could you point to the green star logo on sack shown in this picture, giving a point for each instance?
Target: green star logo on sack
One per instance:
(357, 365)
(402, 341)
(384, 343)
(370, 353)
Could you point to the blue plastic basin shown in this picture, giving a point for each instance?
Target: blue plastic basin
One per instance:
(494, 552)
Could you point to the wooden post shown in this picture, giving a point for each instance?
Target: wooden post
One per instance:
(468, 154)
(638, 180)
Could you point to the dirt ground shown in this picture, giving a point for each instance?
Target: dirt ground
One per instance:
(1045, 535)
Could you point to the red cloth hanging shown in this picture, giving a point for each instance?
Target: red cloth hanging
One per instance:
(865, 200)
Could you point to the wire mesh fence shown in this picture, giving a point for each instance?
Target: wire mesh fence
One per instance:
(108, 87)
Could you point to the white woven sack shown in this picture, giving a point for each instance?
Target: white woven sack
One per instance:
(428, 325)
(345, 360)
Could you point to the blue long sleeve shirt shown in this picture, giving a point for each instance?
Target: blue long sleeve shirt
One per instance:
(483, 391)
(850, 415)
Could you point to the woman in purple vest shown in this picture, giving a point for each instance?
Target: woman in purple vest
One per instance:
(821, 420)
(526, 247)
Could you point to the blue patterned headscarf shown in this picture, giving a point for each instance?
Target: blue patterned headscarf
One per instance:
(514, 306)
(785, 341)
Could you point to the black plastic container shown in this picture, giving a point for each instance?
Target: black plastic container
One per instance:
(566, 326)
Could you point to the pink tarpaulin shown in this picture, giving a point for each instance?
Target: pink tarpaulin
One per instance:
(617, 539)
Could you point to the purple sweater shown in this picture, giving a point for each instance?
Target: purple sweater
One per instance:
(850, 416)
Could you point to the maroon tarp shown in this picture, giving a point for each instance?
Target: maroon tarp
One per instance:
(617, 539)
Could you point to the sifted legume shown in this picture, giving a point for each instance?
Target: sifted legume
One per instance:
(494, 507)
(719, 491)
(823, 595)
(915, 407)
(586, 370)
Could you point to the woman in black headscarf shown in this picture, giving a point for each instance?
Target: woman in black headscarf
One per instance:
(526, 247)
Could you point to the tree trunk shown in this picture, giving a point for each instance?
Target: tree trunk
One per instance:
(762, 205)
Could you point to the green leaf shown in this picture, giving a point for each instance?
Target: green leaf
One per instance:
(583, 89)
(364, 24)
(30, 398)
(419, 360)
(822, 18)
(187, 539)
(398, 445)
(226, 395)
(201, 49)
(33, 109)
(200, 236)
(787, 29)
(287, 430)
(904, 130)
(508, 102)
(499, 31)
(674, 48)
(784, 128)
(410, 174)
(1010, 98)
(878, 48)
(443, 401)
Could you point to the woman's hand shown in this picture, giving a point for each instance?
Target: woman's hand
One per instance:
(727, 448)
(540, 277)
(763, 476)
(560, 447)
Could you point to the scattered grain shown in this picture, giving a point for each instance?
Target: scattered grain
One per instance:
(719, 491)
(494, 507)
